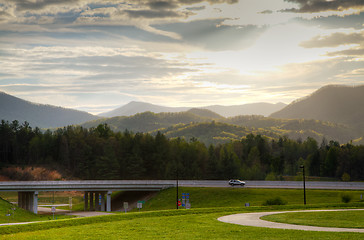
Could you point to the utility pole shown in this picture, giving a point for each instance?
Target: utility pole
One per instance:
(177, 187)
(304, 183)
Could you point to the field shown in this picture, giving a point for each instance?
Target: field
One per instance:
(160, 220)
(344, 219)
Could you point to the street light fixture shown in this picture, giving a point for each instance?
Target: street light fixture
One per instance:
(304, 184)
(177, 186)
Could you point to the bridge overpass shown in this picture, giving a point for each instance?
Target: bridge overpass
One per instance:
(93, 189)
(98, 189)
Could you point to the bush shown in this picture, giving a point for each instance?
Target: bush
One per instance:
(345, 197)
(345, 177)
(274, 201)
(271, 177)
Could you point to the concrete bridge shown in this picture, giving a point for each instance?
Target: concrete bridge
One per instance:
(93, 190)
(99, 189)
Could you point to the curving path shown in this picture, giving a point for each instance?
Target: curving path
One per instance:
(253, 219)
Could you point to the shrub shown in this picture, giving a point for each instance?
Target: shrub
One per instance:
(274, 201)
(345, 197)
(345, 177)
(271, 177)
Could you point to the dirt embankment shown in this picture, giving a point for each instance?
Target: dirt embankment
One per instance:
(132, 197)
(29, 174)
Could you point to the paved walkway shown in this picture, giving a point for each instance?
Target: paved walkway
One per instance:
(253, 219)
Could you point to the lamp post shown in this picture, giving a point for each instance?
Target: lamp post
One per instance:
(304, 184)
(177, 188)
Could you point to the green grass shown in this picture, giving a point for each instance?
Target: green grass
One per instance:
(237, 197)
(159, 218)
(48, 197)
(340, 219)
(172, 224)
(21, 215)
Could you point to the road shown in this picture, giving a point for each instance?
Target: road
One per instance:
(253, 219)
(275, 184)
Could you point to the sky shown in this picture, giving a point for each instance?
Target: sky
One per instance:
(98, 55)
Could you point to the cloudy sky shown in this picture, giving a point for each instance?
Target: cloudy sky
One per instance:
(96, 55)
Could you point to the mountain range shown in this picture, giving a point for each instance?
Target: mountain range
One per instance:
(48, 116)
(333, 103)
(133, 108)
(333, 112)
(211, 128)
(40, 115)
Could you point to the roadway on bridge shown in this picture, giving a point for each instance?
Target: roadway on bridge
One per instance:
(156, 185)
(276, 184)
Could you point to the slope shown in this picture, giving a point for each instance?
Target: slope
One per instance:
(264, 109)
(148, 121)
(39, 115)
(339, 104)
(133, 108)
(212, 128)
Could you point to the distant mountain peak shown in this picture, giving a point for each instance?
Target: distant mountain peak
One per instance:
(334, 103)
(39, 115)
(135, 107)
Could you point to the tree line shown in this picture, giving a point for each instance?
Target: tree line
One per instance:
(100, 153)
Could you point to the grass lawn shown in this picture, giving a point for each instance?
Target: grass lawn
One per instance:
(172, 224)
(340, 219)
(237, 197)
(160, 220)
(21, 215)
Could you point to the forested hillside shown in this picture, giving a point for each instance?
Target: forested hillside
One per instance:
(100, 153)
(209, 127)
(148, 121)
(338, 104)
(133, 108)
(39, 115)
(264, 109)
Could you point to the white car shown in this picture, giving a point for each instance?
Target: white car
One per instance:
(233, 182)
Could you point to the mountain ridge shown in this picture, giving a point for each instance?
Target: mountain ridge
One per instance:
(196, 124)
(335, 103)
(40, 115)
(135, 107)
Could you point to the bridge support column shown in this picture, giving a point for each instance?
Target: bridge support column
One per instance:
(34, 197)
(97, 201)
(102, 202)
(20, 199)
(92, 201)
(28, 201)
(108, 201)
(85, 196)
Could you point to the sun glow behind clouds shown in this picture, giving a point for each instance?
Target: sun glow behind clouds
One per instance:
(275, 48)
(94, 53)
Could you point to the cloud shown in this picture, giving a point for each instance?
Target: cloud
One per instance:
(334, 40)
(266, 12)
(200, 8)
(312, 6)
(163, 5)
(153, 14)
(68, 13)
(355, 21)
(355, 52)
(214, 35)
(339, 39)
(25, 5)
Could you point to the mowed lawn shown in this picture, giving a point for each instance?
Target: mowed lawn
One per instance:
(238, 196)
(340, 219)
(200, 222)
(185, 226)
